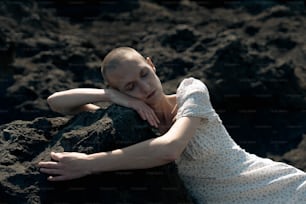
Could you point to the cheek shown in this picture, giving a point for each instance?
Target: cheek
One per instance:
(134, 93)
(152, 79)
(157, 81)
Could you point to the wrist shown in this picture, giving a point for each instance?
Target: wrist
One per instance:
(103, 96)
(93, 161)
(107, 95)
(117, 97)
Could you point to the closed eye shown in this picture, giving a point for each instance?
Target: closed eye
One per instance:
(144, 73)
(129, 87)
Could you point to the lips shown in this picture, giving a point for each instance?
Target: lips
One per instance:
(150, 95)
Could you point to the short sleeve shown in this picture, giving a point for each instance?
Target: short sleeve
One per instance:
(193, 100)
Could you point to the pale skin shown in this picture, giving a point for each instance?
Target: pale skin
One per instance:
(139, 88)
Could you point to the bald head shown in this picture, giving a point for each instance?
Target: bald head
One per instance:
(116, 57)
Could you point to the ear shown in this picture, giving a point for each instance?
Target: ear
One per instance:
(149, 61)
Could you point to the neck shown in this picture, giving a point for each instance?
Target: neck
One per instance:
(165, 109)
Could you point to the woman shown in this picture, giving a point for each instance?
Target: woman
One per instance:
(213, 167)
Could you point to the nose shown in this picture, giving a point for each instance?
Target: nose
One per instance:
(145, 86)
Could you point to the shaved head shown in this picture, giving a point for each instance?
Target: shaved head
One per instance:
(116, 57)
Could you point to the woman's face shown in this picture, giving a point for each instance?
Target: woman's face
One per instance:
(136, 77)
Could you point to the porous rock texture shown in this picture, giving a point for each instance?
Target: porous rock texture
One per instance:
(24, 143)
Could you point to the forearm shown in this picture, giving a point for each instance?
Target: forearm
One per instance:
(68, 101)
(147, 154)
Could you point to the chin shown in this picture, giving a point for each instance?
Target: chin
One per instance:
(155, 99)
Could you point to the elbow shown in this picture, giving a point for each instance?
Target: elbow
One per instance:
(168, 150)
(52, 102)
(171, 153)
(170, 158)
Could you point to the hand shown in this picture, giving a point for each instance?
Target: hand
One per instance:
(66, 166)
(145, 111)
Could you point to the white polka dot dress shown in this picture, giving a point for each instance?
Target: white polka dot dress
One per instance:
(216, 170)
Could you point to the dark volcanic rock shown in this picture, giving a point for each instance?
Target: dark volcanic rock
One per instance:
(297, 156)
(24, 143)
(251, 54)
(82, 10)
(256, 87)
(180, 39)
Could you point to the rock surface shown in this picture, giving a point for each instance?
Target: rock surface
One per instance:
(251, 55)
(25, 143)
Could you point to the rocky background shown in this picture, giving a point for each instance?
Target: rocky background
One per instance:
(251, 55)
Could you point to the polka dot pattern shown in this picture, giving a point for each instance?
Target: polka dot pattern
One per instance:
(217, 170)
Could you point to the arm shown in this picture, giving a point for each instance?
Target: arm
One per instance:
(74, 101)
(147, 154)
(150, 153)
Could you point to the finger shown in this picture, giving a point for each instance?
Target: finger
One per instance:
(56, 156)
(151, 120)
(49, 164)
(142, 115)
(146, 116)
(155, 117)
(65, 153)
(50, 171)
(58, 178)
(156, 123)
